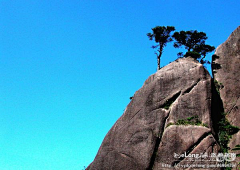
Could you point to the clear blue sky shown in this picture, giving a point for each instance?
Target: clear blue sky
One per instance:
(68, 68)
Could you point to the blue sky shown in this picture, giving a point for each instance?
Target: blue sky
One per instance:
(68, 68)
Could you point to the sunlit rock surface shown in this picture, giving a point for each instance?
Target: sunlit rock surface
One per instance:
(170, 114)
(226, 71)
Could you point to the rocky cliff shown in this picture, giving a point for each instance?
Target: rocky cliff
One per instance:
(175, 116)
(226, 73)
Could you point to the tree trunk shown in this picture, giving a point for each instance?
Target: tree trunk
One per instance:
(158, 61)
(159, 56)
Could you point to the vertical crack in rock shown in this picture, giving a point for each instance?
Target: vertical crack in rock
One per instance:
(152, 160)
(158, 140)
(216, 111)
(167, 104)
(190, 149)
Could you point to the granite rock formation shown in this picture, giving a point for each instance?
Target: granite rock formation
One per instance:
(169, 116)
(226, 72)
(179, 112)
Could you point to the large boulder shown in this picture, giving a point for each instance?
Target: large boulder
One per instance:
(169, 115)
(226, 72)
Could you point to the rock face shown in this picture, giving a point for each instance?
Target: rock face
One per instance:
(226, 71)
(169, 116)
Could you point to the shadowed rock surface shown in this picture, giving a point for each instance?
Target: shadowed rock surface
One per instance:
(150, 131)
(226, 71)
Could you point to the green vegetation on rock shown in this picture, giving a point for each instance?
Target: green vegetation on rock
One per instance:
(194, 43)
(226, 130)
(218, 86)
(189, 121)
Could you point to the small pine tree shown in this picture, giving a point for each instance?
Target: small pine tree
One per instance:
(194, 43)
(161, 35)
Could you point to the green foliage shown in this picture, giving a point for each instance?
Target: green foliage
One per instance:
(161, 35)
(218, 86)
(189, 121)
(203, 49)
(194, 43)
(190, 39)
(191, 118)
(226, 130)
(193, 54)
(169, 124)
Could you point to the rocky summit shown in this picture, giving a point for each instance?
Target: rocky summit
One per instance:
(170, 114)
(172, 122)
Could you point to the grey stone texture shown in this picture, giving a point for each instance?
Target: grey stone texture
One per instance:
(146, 135)
(226, 72)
